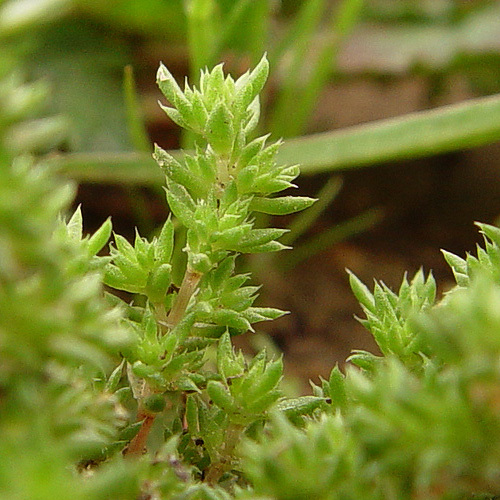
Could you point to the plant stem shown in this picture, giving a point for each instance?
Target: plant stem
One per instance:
(188, 287)
(138, 443)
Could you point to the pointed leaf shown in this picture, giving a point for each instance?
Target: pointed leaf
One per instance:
(100, 238)
(165, 242)
(219, 132)
(361, 292)
(220, 396)
(281, 206)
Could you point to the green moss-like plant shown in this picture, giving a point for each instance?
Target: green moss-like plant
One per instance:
(107, 399)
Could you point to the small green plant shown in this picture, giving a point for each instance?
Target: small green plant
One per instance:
(213, 194)
(145, 397)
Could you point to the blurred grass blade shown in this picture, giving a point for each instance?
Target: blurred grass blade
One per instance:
(229, 26)
(111, 168)
(442, 130)
(135, 121)
(258, 26)
(201, 31)
(17, 16)
(343, 24)
(347, 17)
(302, 27)
(303, 99)
(328, 238)
(449, 128)
(298, 42)
(253, 17)
(304, 220)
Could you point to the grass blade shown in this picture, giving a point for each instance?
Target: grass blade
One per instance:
(442, 130)
(135, 121)
(298, 40)
(329, 237)
(304, 220)
(201, 30)
(343, 24)
(425, 133)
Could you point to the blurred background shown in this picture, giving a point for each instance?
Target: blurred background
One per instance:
(334, 64)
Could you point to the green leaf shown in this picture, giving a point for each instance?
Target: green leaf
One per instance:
(100, 238)
(114, 378)
(164, 244)
(186, 384)
(491, 232)
(199, 111)
(267, 380)
(250, 85)
(258, 237)
(298, 407)
(281, 206)
(337, 389)
(256, 314)
(272, 246)
(125, 275)
(220, 396)
(228, 364)
(124, 247)
(263, 404)
(223, 271)
(214, 83)
(155, 403)
(181, 204)
(175, 116)
(179, 173)
(130, 431)
(75, 225)
(361, 292)
(219, 129)
(174, 94)
(365, 360)
(199, 262)
(246, 177)
(167, 84)
(232, 319)
(114, 278)
(158, 282)
(192, 415)
(230, 238)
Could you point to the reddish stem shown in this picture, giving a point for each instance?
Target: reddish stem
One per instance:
(138, 444)
(188, 287)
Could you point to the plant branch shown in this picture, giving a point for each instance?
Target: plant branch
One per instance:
(138, 443)
(186, 291)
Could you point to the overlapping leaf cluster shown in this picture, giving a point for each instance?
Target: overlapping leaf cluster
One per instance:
(487, 260)
(388, 314)
(144, 268)
(214, 191)
(408, 429)
(57, 340)
(212, 195)
(224, 303)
